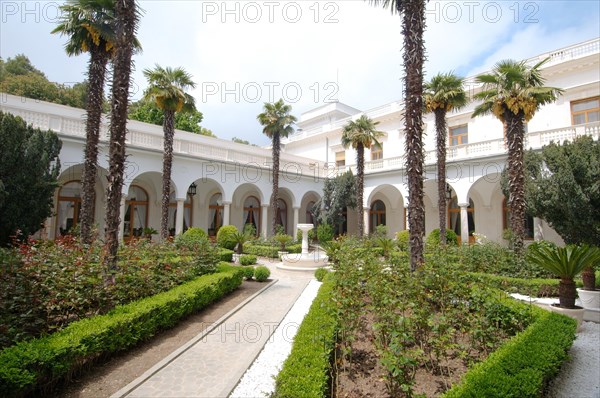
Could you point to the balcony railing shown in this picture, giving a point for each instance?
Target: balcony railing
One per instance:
(70, 122)
(496, 147)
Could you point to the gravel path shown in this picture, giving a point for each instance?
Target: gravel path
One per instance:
(580, 375)
(259, 379)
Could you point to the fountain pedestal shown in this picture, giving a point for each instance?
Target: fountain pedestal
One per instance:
(305, 261)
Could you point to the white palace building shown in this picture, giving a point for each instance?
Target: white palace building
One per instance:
(217, 182)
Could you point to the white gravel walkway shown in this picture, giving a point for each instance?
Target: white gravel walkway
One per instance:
(259, 379)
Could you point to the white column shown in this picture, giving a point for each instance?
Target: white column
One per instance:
(122, 216)
(464, 223)
(295, 223)
(538, 232)
(366, 211)
(263, 220)
(226, 212)
(179, 216)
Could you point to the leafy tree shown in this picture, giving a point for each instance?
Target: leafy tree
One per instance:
(240, 141)
(29, 167)
(277, 122)
(413, 28)
(149, 112)
(339, 194)
(207, 132)
(564, 189)
(167, 87)
(2, 71)
(513, 92)
(443, 94)
(126, 22)
(360, 134)
(21, 65)
(90, 27)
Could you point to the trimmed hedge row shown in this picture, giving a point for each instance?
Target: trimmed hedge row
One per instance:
(524, 365)
(225, 255)
(39, 363)
(305, 373)
(269, 251)
(531, 287)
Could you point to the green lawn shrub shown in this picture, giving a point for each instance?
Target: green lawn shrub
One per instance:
(433, 239)
(402, 239)
(270, 251)
(248, 272)
(524, 365)
(225, 236)
(261, 273)
(29, 365)
(325, 233)
(538, 287)
(226, 255)
(320, 274)
(248, 259)
(306, 372)
(190, 238)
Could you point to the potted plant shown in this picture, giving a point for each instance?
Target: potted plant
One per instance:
(240, 238)
(566, 263)
(589, 295)
(148, 232)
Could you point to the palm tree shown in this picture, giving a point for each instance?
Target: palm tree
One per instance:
(127, 16)
(277, 122)
(360, 134)
(413, 27)
(89, 24)
(443, 94)
(513, 92)
(167, 88)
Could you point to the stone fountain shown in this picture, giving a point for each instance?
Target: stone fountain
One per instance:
(305, 261)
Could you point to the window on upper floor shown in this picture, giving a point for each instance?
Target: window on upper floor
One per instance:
(340, 159)
(376, 152)
(585, 111)
(459, 135)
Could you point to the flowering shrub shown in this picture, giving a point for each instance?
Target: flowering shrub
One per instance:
(46, 285)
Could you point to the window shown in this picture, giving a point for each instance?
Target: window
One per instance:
(377, 215)
(252, 212)
(187, 213)
(69, 206)
(136, 217)
(340, 159)
(529, 227)
(585, 111)
(376, 152)
(459, 135)
(215, 214)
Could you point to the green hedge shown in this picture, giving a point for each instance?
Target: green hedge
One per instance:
(269, 251)
(305, 373)
(530, 287)
(38, 363)
(226, 255)
(525, 364)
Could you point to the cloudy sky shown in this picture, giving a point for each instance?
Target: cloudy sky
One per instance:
(244, 53)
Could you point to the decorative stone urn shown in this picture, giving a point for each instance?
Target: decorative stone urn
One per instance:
(575, 313)
(590, 299)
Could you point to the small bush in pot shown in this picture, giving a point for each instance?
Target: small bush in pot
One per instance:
(566, 263)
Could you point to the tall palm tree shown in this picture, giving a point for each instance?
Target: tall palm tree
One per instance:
(89, 25)
(513, 92)
(277, 122)
(360, 134)
(413, 28)
(127, 16)
(167, 87)
(443, 94)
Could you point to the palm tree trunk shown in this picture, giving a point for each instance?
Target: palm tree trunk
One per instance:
(126, 16)
(169, 132)
(413, 27)
(275, 194)
(515, 133)
(440, 127)
(567, 293)
(96, 76)
(360, 186)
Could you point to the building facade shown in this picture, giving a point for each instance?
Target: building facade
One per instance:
(217, 182)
